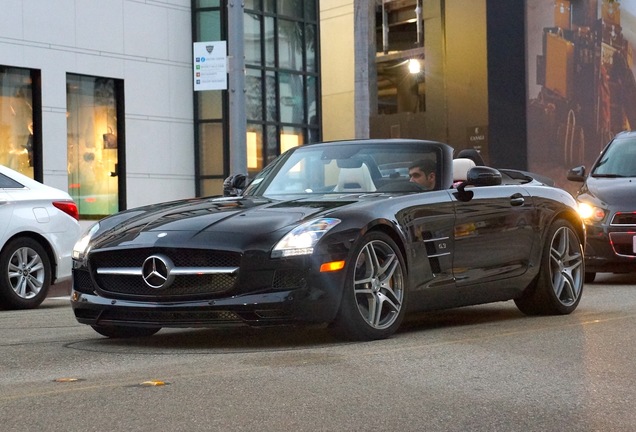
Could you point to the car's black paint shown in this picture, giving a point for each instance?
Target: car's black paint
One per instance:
(454, 252)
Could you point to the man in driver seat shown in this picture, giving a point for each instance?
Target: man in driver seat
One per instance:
(422, 172)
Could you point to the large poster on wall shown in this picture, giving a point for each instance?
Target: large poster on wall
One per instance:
(581, 85)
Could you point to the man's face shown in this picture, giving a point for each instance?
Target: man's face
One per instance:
(427, 181)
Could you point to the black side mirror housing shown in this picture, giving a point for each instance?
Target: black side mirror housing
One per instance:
(234, 185)
(577, 174)
(478, 176)
(483, 176)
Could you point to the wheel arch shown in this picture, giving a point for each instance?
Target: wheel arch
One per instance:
(575, 220)
(395, 236)
(42, 242)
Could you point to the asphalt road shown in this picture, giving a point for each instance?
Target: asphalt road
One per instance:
(485, 368)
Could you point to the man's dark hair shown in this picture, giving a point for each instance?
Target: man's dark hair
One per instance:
(427, 166)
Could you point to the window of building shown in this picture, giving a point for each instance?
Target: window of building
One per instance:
(20, 114)
(210, 107)
(282, 85)
(94, 140)
(400, 57)
(282, 78)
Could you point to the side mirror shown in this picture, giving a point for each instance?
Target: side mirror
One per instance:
(234, 185)
(483, 176)
(478, 176)
(577, 174)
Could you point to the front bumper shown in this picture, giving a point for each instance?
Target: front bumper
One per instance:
(257, 298)
(610, 249)
(288, 307)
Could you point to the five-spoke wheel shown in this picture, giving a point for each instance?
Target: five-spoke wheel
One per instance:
(558, 287)
(373, 303)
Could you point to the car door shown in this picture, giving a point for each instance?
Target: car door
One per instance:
(5, 215)
(493, 236)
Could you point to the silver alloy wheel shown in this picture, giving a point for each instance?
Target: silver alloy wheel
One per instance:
(378, 284)
(26, 272)
(566, 266)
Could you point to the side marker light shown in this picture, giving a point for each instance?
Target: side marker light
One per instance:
(332, 266)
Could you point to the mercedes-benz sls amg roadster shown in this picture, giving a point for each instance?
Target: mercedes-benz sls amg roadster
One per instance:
(335, 234)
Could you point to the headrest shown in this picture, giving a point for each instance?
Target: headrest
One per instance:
(461, 167)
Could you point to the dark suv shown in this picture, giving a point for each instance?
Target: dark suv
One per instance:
(607, 203)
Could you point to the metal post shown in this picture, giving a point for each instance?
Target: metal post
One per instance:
(236, 82)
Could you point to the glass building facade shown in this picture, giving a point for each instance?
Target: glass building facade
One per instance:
(282, 85)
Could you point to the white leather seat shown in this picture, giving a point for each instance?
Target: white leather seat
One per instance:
(461, 167)
(355, 180)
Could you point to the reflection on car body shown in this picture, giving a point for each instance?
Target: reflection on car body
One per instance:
(327, 234)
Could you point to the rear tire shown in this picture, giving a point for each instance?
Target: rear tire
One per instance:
(25, 274)
(559, 285)
(123, 332)
(375, 291)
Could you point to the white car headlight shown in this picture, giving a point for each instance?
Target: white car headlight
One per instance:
(82, 246)
(590, 212)
(302, 239)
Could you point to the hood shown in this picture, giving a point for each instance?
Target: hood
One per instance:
(611, 191)
(202, 218)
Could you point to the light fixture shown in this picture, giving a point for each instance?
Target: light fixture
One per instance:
(414, 66)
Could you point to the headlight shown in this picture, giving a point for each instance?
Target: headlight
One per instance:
(589, 212)
(82, 246)
(302, 239)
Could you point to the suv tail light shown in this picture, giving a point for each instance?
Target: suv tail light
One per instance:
(68, 207)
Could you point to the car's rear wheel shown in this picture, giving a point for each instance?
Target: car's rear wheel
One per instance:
(559, 285)
(374, 297)
(121, 332)
(25, 274)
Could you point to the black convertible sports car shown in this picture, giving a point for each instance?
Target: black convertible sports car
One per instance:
(334, 233)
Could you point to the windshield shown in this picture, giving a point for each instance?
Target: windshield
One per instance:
(351, 167)
(619, 160)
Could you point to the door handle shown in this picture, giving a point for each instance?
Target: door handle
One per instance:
(517, 200)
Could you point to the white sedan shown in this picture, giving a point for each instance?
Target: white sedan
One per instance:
(38, 228)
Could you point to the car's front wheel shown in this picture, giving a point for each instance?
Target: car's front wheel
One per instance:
(559, 285)
(121, 332)
(375, 291)
(25, 274)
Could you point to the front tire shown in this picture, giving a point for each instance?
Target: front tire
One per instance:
(559, 285)
(375, 291)
(123, 332)
(25, 274)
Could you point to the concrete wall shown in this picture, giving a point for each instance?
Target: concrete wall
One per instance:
(148, 44)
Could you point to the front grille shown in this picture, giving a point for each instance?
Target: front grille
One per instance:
(189, 286)
(624, 219)
(172, 317)
(180, 257)
(623, 243)
(82, 282)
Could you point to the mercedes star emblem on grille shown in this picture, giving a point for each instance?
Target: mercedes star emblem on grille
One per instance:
(156, 271)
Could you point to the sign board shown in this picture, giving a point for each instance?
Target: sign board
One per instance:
(210, 65)
(477, 138)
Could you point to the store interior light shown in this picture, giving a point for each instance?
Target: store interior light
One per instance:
(414, 66)
(252, 151)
